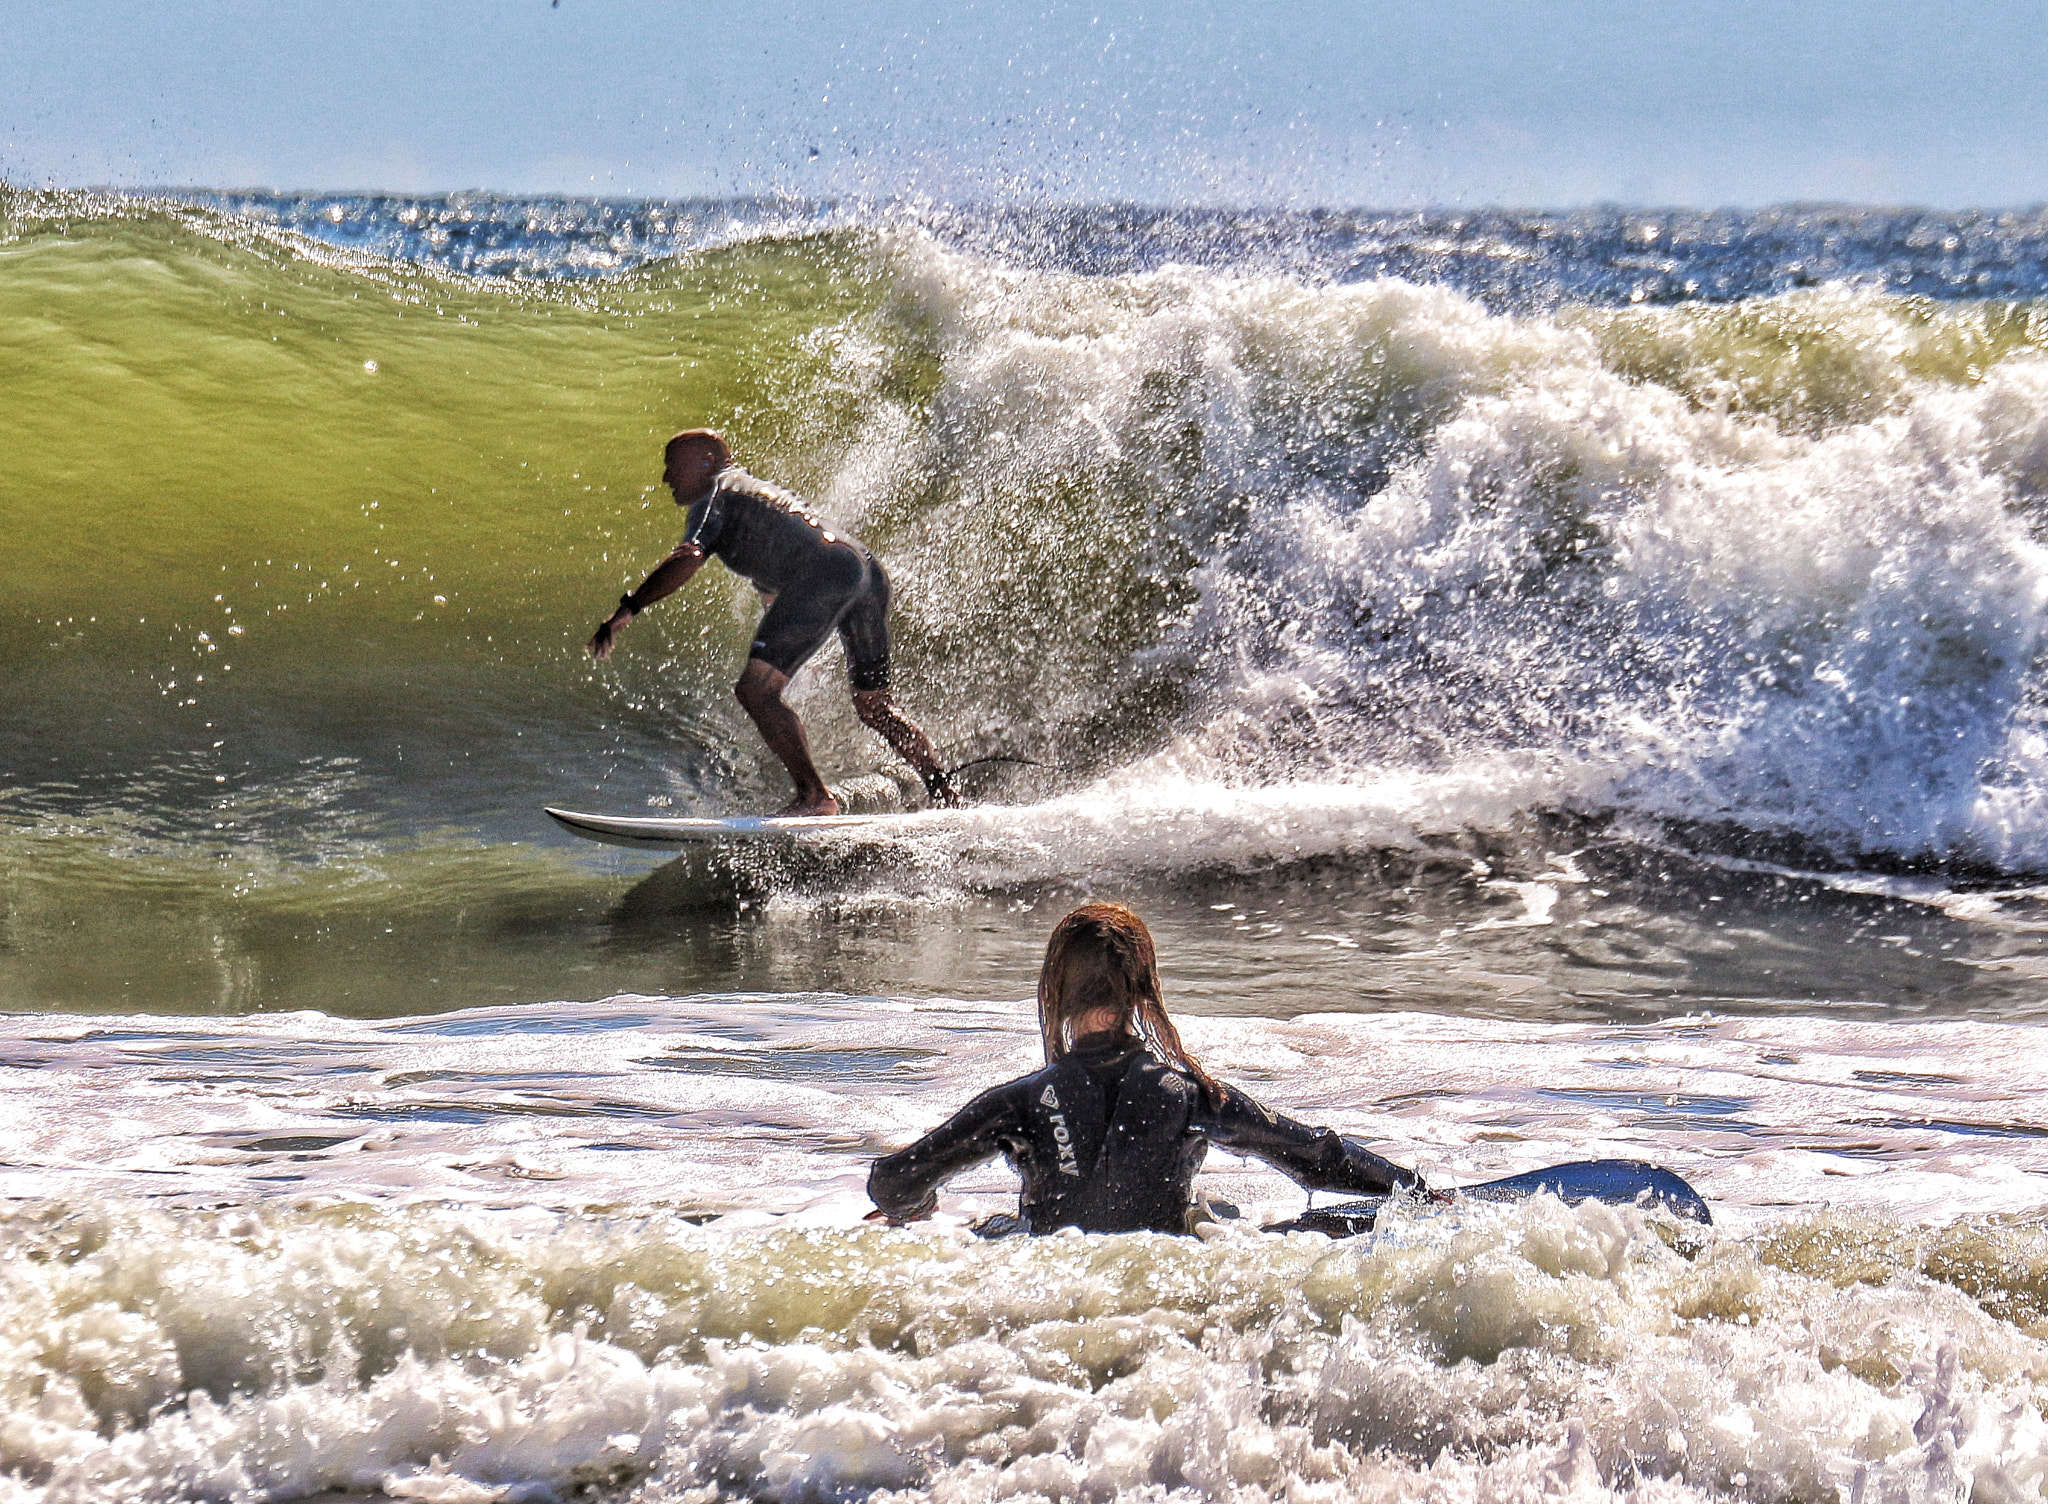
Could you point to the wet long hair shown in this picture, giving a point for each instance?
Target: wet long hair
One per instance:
(1102, 955)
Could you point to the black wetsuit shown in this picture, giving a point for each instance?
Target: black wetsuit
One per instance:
(1109, 1141)
(821, 580)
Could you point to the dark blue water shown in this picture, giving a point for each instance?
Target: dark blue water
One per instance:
(1513, 260)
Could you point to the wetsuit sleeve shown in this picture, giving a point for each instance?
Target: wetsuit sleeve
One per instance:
(1319, 1158)
(903, 1182)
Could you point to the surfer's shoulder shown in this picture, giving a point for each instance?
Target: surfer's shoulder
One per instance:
(1228, 1106)
(1049, 1074)
(1049, 1087)
(733, 481)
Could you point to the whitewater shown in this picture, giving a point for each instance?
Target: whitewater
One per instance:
(1559, 686)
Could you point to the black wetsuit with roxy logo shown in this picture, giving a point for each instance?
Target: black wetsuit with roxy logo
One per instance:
(1109, 1141)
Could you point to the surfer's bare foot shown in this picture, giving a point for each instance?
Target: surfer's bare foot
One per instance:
(802, 808)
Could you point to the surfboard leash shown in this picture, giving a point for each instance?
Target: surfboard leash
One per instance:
(976, 762)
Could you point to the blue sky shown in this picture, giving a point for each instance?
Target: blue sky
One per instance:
(1737, 102)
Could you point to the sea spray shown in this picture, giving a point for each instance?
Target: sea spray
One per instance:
(1381, 529)
(1730, 560)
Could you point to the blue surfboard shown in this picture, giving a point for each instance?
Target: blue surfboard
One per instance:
(1617, 1182)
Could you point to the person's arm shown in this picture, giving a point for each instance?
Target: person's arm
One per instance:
(905, 1185)
(669, 576)
(1319, 1158)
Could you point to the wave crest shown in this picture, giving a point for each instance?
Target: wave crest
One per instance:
(1772, 567)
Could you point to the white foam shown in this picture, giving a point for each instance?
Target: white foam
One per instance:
(451, 1259)
(1491, 1352)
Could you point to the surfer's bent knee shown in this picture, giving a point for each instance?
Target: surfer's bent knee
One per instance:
(760, 680)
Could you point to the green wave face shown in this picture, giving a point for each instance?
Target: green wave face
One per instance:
(314, 506)
(281, 516)
(301, 552)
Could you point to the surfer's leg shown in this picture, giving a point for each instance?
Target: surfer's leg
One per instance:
(865, 631)
(879, 711)
(795, 626)
(760, 692)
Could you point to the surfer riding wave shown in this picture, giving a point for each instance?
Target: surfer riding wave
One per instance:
(814, 582)
(1109, 1135)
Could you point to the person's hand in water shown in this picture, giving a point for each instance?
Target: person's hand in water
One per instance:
(917, 1213)
(669, 576)
(601, 640)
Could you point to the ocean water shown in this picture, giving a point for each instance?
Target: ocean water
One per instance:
(1558, 685)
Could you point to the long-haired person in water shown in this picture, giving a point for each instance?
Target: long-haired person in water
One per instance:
(1109, 1134)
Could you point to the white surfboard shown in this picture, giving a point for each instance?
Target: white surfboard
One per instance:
(672, 832)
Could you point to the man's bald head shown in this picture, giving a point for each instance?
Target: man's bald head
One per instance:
(692, 461)
(706, 441)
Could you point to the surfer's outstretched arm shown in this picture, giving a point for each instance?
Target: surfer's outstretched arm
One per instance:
(1318, 1158)
(905, 1185)
(669, 576)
